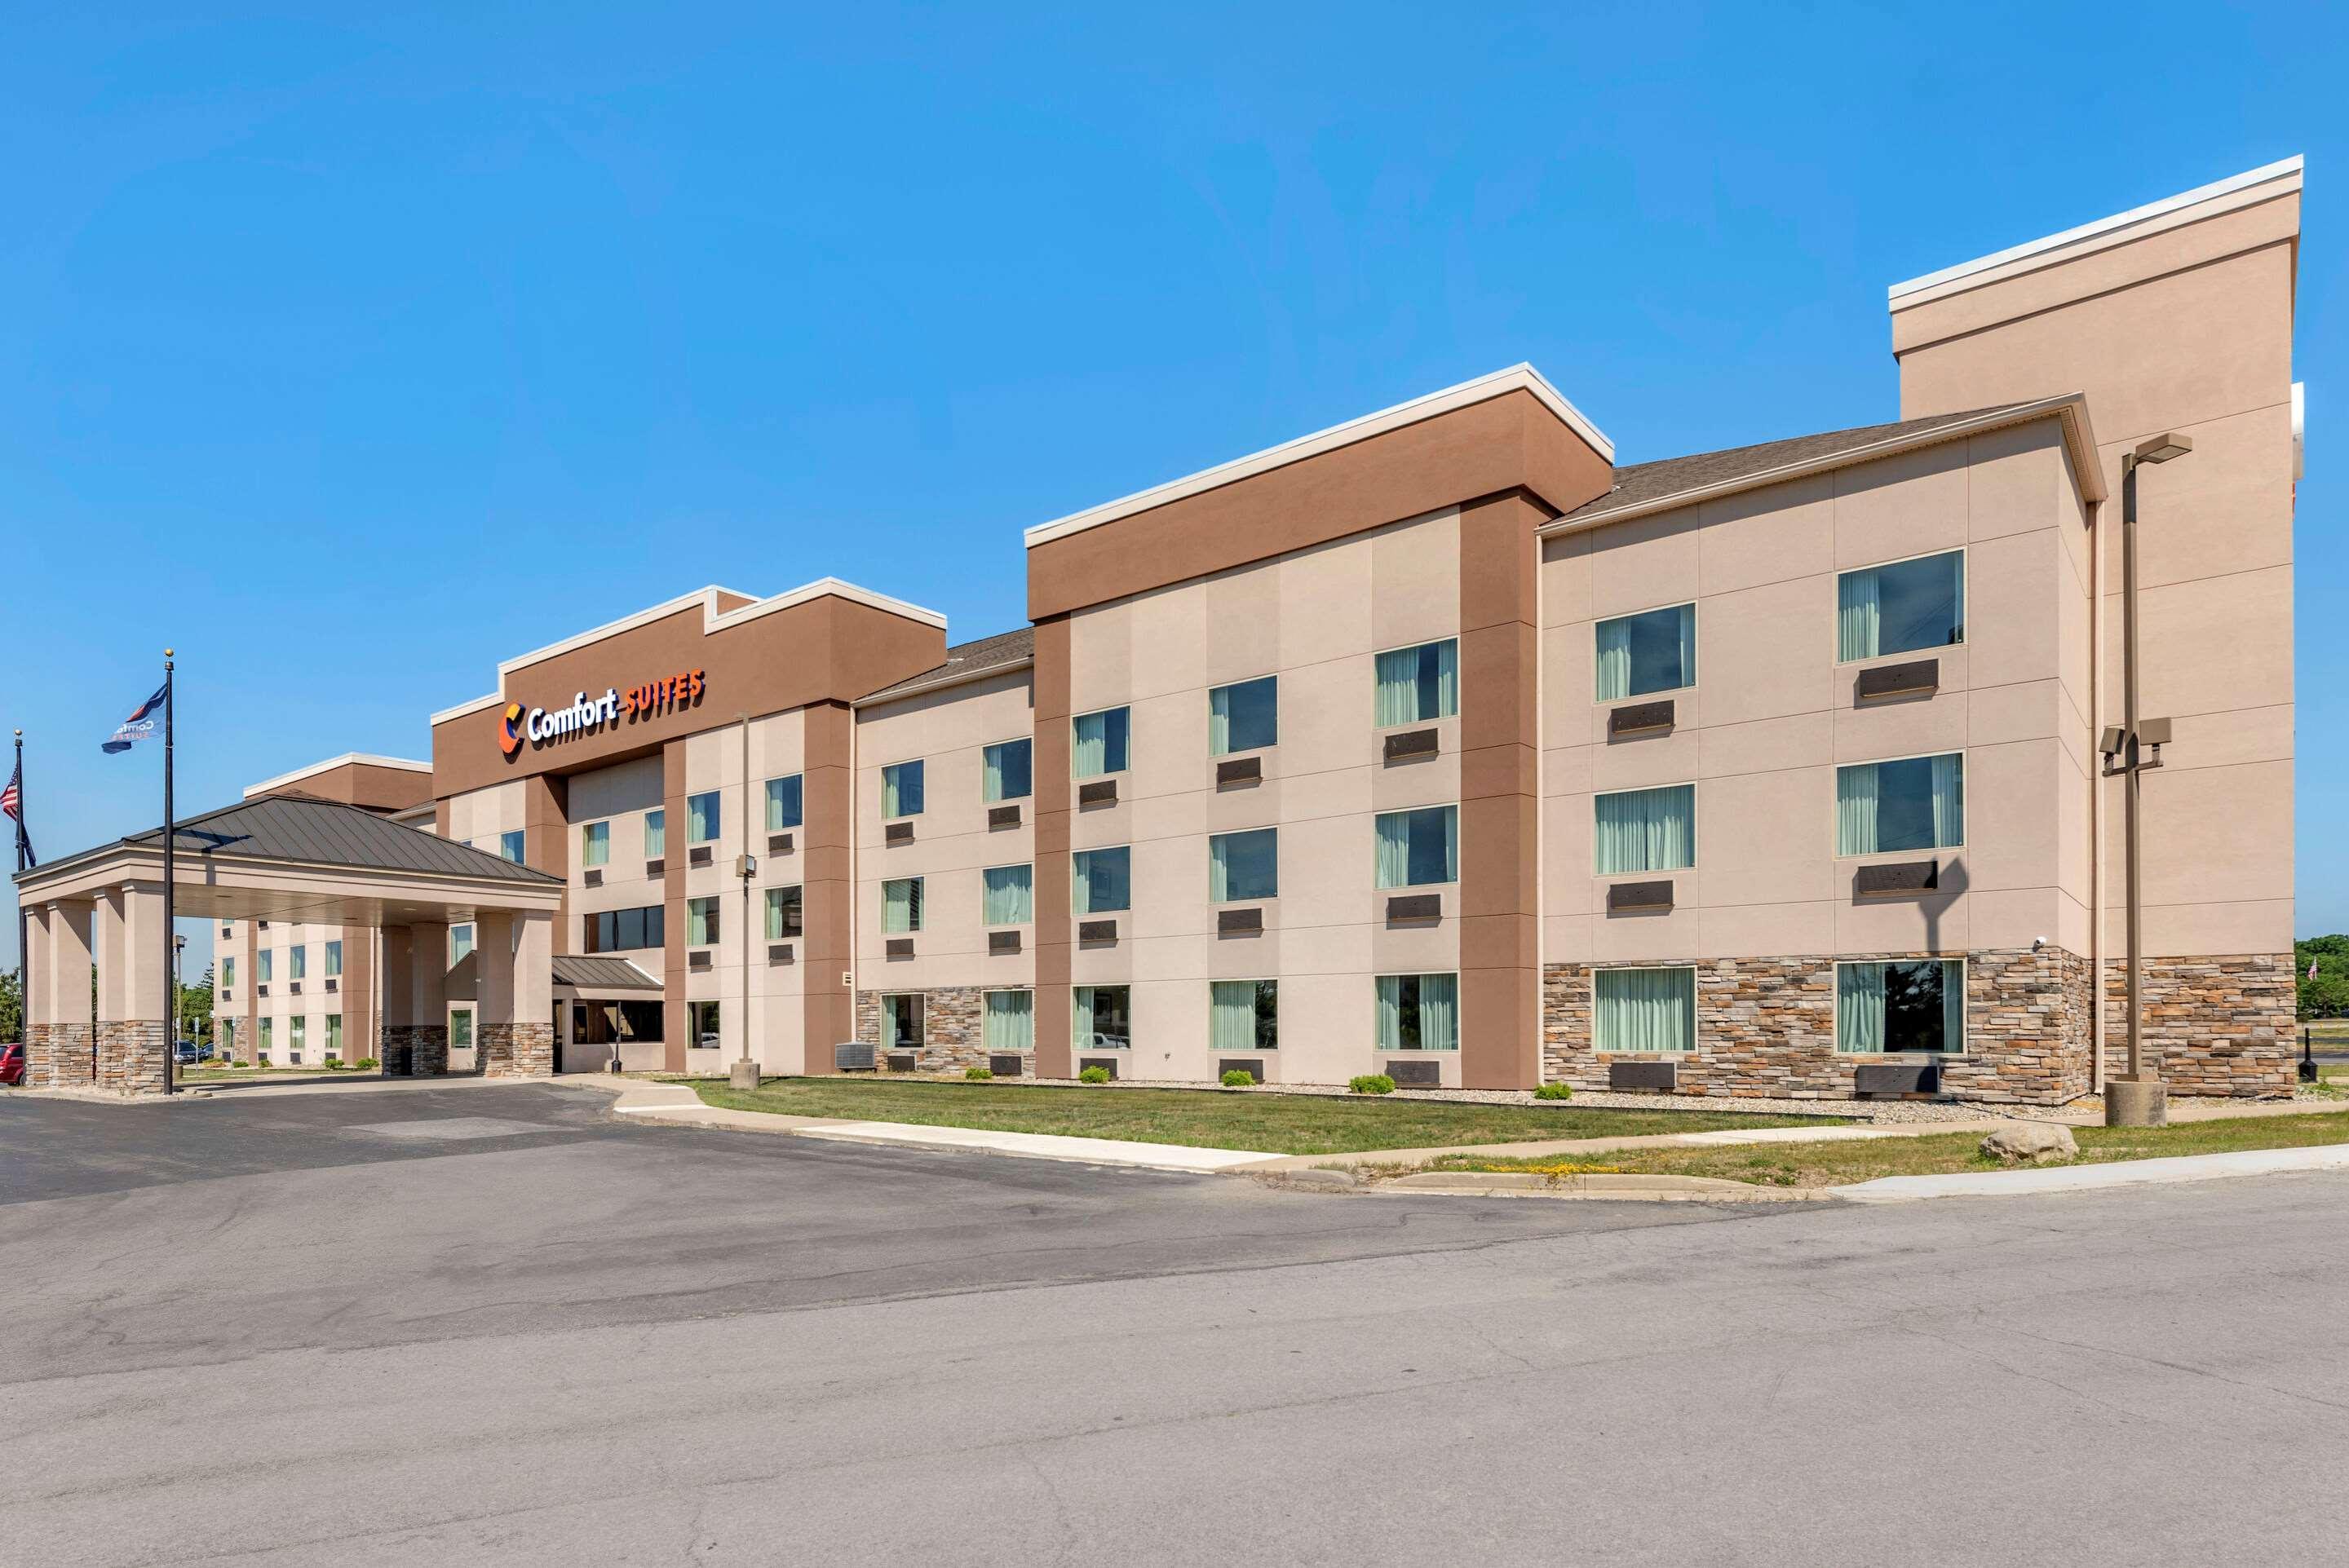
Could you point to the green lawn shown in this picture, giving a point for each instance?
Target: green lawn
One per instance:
(1935, 1154)
(1276, 1123)
(260, 1075)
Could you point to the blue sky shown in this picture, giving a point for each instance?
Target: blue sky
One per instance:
(352, 355)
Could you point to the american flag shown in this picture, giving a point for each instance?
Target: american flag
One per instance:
(12, 804)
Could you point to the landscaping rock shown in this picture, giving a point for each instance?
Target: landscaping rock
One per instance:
(2031, 1142)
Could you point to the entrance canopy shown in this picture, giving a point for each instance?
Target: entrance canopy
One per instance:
(295, 858)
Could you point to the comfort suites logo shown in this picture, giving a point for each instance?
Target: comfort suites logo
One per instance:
(538, 726)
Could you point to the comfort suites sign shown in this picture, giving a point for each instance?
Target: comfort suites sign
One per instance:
(519, 726)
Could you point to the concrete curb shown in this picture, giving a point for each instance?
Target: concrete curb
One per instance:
(2092, 1178)
(1580, 1146)
(1654, 1189)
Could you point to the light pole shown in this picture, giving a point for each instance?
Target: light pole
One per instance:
(744, 1073)
(179, 997)
(2138, 1099)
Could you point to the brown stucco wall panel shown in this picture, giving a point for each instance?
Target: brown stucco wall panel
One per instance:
(827, 887)
(1054, 1055)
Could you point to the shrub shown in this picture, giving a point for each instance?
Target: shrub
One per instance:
(367, 1064)
(1094, 1075)
(1240, 1077)
(1555, 1091)
(1371, 1083)
(978, 1072)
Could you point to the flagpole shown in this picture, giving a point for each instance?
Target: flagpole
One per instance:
(171, 832)
(24, 967)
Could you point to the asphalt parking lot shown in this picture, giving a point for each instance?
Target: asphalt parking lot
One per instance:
(485, 1322)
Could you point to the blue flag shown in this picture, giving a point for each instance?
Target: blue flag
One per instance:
(138, 727)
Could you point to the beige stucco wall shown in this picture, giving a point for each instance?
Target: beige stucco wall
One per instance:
(2187, 327)
(948, 730)
(1313, 618)
(314, 1004)
(1773, 714)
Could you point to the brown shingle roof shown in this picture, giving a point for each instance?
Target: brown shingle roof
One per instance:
(1004, 651)
(1644, 482)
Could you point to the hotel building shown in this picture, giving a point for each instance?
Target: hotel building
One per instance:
(1444, 745)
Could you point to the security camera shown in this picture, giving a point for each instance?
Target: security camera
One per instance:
(2037, 942)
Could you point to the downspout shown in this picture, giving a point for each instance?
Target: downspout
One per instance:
(848, 976)
(2095, 799)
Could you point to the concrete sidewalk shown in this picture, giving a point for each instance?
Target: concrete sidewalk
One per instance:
(2092, 1178)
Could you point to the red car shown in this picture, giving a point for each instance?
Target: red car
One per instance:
(12, 1064)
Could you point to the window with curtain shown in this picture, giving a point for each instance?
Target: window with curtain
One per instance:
(656, 834)
(701, 922)
(783, 912)
(1916, 1005)
(1415, 684)
(1418, 848)
(901, 905)
(1009, 1022)
(1101, 1017)
(297, 1033)
(901, 1022)
(1099, 742)
(1644, 1010)
(1419, 1011)
(334, 1034)
(461, 1028)
(701, 817)
(268, 962)
(1243, 866)
(228, 973)
(901, 788)
(1654, 650)
(1245, 716)
(1916, 803)
(1908, 604)
(1645, 830)
(268, 1042)
(227, 1037)
(782, 803)
(1010, 769)
(297, 963)
(460, 942)
(1009, 895)
(704, 1019)
(334, 958)
(595, 845)
(1101, 881)
(1243, 1014)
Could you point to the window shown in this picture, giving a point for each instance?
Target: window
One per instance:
(1645, 830)
(901, 905)
(298, 1031)
(297, 963)
(1010, 1023)
(1418, 848)
(782, 803)
(1418, 684)
(1011, 773)
(460, 943)
(268, 962)
(900, 1023)
(1101, 1017)
(702, 922)
(703, 1016)
(228, 972)
(783, 912)
(334, 1035)
(1419, 1011)
(334, 958)
(1243, 718)
(1009, 897)
(1644, 1011)
(461, 1028)
(228, 1038)
(656, 834)
(1916, 1006)
(1908, 604)
(595, 845)
(1916, 803)
(511, 846)
(619, 930)
(1654, 650)
(268, 1029)
(1242, 866)
(701, 817)
(901, 789)
(1100, 742)
(1102, 881)
(1243, 1014)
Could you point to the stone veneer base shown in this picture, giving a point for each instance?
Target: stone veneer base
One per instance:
(954, 1027)
(2213, 1026)
(516, 1050)
(1766, 1028)
(428, 1048)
